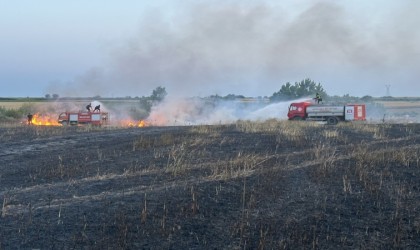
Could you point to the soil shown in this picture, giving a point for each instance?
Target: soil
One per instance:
(210, 187)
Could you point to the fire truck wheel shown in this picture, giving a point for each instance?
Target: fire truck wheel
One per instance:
(332, 120)
(64, 123)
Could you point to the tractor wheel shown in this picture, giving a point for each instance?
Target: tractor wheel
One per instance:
(332, 120)
(297, 118)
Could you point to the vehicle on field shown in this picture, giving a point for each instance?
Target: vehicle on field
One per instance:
(332, 114)
(79, 118)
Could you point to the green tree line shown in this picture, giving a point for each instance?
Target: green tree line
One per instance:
(304, 88)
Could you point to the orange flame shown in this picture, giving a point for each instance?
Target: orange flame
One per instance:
(142, 123)
(44, 120)
(130, 123)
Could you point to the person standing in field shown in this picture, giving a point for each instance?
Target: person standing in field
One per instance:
(30, 117)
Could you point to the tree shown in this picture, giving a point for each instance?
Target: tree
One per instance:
(158, 94)
(367, 98)
(146, 102)
(300, 89)
(55, 96)
(47, 96)
(232, 97)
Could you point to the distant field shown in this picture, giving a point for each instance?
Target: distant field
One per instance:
(400, 104)
(402, 108)
(12, 105)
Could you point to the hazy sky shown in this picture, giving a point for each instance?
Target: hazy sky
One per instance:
(200, 48)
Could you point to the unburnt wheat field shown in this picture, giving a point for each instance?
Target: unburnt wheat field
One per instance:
(248, 185)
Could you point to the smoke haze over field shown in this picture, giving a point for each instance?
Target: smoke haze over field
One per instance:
(200, 48)
(171, 112)
(198, 111)
(177, 111)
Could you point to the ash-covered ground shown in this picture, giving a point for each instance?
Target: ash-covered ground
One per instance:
(247, 185)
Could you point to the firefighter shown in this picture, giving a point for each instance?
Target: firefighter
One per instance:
(318, 98)
(30, 116)
(97, 108)
(89, 107)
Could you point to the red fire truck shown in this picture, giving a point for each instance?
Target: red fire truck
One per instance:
(76, 118)
(332, 114)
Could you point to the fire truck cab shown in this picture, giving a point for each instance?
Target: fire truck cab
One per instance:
(297, 110)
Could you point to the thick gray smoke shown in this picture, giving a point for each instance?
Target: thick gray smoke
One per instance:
(237, 47)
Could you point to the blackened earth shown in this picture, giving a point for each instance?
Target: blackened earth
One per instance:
(210, 187)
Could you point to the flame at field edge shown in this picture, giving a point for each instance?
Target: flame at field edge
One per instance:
(39, 119)
(43, 120)
(131, 123)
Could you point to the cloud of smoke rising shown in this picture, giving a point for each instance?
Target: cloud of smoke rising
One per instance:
(253, 49)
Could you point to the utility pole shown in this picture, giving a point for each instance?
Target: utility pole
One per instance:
(388, 93)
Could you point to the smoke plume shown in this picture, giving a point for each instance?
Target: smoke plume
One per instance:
(253, 48)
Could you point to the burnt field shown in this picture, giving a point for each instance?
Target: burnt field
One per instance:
(248, 185)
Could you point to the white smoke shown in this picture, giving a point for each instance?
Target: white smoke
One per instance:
(198, 111)
(273, 111)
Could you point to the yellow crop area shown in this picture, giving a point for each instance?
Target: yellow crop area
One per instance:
(13, 105)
